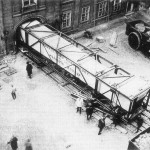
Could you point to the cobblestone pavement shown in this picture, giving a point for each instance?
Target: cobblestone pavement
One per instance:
(135, 62)
(44, 113)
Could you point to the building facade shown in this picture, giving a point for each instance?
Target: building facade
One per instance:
(66, 15)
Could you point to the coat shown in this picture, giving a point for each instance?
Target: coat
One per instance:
(28, 146)
(101, 123)
(29, 68)
(13, 90)
(89, 110)
(79, 102)
(13, 143)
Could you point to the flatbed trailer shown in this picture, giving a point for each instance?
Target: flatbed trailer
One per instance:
(113, 86)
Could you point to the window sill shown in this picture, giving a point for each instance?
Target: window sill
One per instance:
(101, 17)
(85, 21)
(17, 14)
(67, 1)
(29, 5)
(42, 7)
(66, 27)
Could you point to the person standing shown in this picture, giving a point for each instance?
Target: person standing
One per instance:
(28, 145)
(139, 123)
(89, 111)
(13, 143)
(117, 116)
(101, 124)
(79, 104)
(13, 92)
(29, 69)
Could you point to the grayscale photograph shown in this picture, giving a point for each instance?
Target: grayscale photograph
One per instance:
(74, 74)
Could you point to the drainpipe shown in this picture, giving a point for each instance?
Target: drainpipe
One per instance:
(94, 12)
(108, 12)
(2, 43)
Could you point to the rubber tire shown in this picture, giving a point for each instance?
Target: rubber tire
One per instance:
(134, 40)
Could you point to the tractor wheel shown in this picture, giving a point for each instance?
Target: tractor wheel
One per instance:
(134, 40)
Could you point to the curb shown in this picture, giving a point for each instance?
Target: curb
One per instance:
(102, 27)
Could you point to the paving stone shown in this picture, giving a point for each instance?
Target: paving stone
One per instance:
(10, 71)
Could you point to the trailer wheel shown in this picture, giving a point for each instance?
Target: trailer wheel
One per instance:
(134, 40)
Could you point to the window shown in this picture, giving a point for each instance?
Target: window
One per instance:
(66, 19)
(85, 14)
(28, 2)
(102, 9)
(117, 5)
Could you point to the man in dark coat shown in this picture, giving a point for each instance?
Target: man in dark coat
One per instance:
(101, 124)
(29, 69)
(89, 111)
(117, 116)
(139, 123)
(88, 34)
(13, 143)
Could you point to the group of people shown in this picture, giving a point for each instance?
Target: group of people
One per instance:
(13, 141)
(89, 112)
(89, 107)
(101, 122)
(29, 68)
(14, 144)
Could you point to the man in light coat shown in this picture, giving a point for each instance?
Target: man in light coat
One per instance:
(13, 92)
(79, 104)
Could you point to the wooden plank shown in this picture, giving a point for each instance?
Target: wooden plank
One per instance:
(122, 130)
(113, 39)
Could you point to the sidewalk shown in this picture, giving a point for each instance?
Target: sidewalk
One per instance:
(101, 28)
(140, 15)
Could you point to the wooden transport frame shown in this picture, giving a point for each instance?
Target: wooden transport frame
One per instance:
(113, 89)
